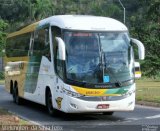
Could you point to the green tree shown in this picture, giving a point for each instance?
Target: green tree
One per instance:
(146, 27)
(142, 19)
(3, 26)
(105, 8)
(41, 9)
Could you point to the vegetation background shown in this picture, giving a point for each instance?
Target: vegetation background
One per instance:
(142, 19)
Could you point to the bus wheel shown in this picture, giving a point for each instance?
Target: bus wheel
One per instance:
(49, 105)
(108, 113)
(16, 97)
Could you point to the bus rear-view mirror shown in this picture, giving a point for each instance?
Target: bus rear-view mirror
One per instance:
(61, 48)
(141, 49)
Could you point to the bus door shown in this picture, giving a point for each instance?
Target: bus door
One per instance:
(36, 52)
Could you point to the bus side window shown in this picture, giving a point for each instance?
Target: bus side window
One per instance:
(46, 51)
(41, 45)
(18, 46)
(39, 39)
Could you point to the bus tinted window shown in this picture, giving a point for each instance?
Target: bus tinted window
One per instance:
(18, 46)
(41, 45)
(137, 69)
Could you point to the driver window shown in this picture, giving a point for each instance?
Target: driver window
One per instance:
(58, 63)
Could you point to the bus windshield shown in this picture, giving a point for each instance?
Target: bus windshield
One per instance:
(102, 57)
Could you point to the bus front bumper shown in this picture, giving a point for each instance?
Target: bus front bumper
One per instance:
(75, 105)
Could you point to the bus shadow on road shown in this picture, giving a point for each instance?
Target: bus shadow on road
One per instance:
(61, 116)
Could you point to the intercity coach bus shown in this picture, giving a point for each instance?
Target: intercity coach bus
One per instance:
(137, 68)
(73, 63)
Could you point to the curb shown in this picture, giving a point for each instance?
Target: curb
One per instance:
(24, 118)
(146, 103)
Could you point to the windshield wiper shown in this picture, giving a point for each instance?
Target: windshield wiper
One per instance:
(128, 82)
(117, 83)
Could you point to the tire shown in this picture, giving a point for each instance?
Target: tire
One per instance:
(108, 113)
(16, 98)
(49, 104)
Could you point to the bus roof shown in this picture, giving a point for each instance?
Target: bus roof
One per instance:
(76, 22)
(84, 22)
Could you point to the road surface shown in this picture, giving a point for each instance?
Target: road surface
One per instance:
(141, 119)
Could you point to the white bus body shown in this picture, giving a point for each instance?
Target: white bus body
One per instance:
(138, 73)
(101, 78)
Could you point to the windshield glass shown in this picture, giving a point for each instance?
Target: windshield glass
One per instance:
(97, 57)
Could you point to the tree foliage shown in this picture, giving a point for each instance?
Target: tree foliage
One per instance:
(145, 25)
(142, 19)
(3, 26)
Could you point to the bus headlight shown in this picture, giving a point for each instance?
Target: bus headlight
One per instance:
(70, 93)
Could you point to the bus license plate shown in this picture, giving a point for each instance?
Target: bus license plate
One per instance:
(103, 106)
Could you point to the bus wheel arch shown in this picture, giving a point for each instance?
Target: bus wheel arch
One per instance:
(15, 93)
(48, 100)
(11, 87)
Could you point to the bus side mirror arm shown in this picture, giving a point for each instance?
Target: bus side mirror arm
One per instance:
(61, 48)
(141, 49)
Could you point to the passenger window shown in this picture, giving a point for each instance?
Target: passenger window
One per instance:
(41, 46)
(18, 46)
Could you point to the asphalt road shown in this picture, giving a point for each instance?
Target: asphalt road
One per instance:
(141, 119)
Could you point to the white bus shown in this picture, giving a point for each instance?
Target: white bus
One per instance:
(73, 63)
(137, 68)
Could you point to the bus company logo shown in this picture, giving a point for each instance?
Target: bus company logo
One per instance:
(103, 86)
(21, 66)
(92, 92)
(59, 102)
